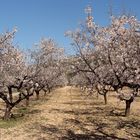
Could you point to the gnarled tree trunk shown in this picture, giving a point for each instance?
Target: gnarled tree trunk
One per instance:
(105, 98)
(37, 94)
(27, 97)
(128, 104)
(10, 94)
(7, 114)
(45, 92)
(27, 100)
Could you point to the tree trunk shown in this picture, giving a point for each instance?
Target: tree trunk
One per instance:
(27, 100)
(7, 112)
(49, 90)
(97, 95)
(45, 92)
(105, 98)
(37, 94)
(128, 104)
(10, 94)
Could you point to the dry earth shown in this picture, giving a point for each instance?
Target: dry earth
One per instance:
(68, 114)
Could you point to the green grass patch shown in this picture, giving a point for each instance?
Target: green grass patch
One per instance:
(23, 110)
(16, 119)
(10, 123)
(43, 118)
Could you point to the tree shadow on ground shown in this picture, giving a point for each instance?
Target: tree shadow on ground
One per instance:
(79, 102)
(98, 133)
(128, 124)
(74, 121)
(34, 111)
(99, 127)
(68, 134)
(116, 112)
(49, 128)
(78, 111)
(92, 136)
(131, 126)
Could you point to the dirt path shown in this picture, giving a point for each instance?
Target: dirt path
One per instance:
(68, 115)
(51, 119)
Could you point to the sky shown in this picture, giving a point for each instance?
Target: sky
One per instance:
(36, 19)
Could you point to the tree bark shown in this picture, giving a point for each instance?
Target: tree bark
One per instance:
(105, 98)
(37, 94)
(27, 100)
(49, 89)
(7, 112)
(128, 105)
(45, 93)
(10, 94)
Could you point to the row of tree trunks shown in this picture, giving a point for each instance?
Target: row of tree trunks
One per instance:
(128, 103)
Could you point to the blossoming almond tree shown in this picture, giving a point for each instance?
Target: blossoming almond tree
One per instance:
(111, 54)
(12, 72)
(123, 55)
(47, 65)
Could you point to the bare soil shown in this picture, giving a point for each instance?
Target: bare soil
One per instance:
(68, 114)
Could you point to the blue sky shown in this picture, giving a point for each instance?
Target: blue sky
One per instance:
(36, 19)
